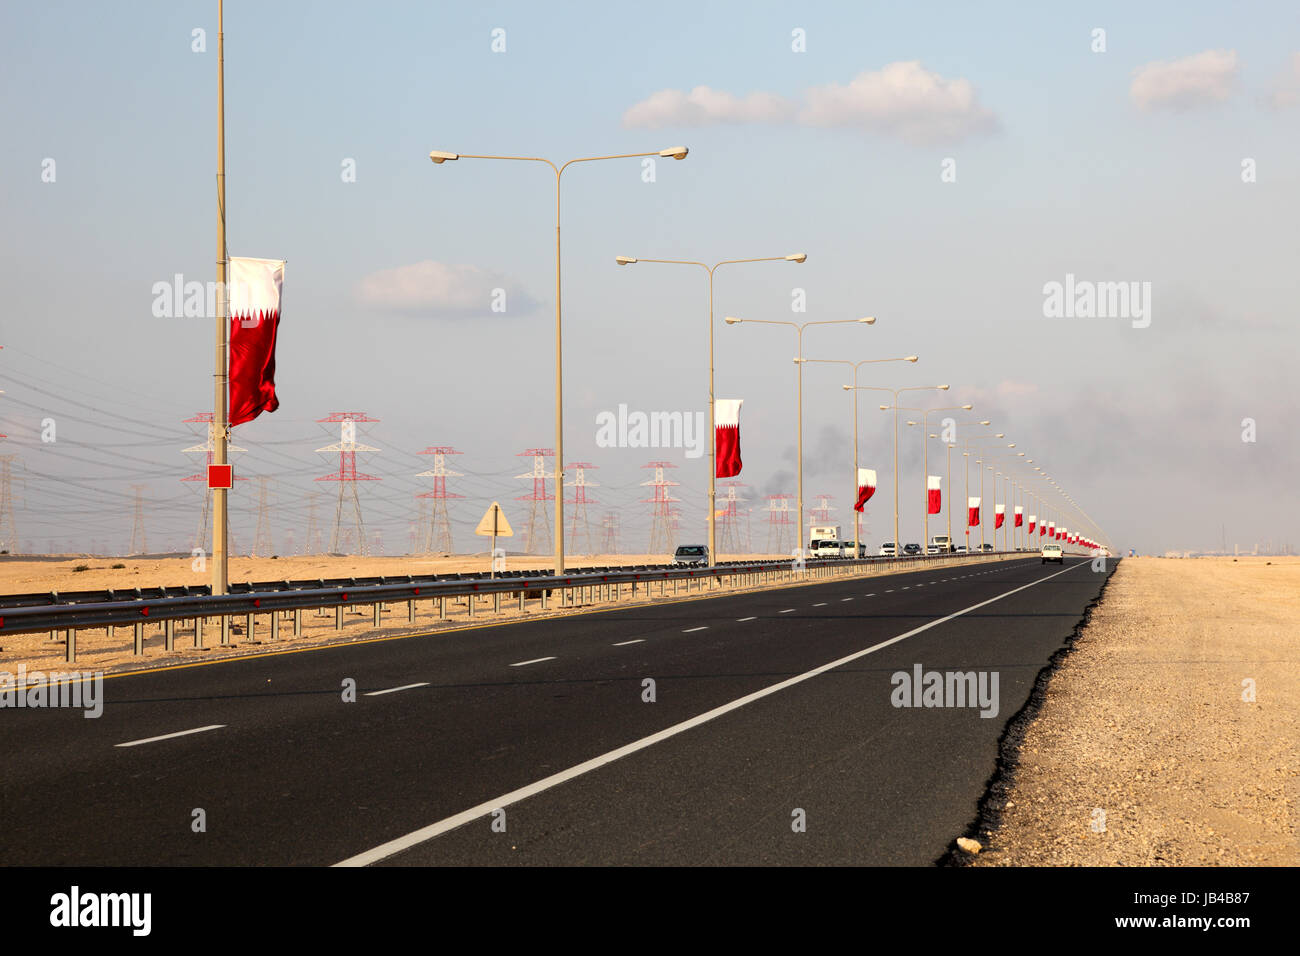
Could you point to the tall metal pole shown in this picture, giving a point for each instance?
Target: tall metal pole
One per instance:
(980, 462)
(220, 528)
(898, 546)
(925, 528)
(713, 446)
(559, 399)
(799, 437)
(857, 524)
(950, 542)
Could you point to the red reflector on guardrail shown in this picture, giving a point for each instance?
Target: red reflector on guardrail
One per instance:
(144, 611)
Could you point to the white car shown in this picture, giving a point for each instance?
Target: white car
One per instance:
(887, 550)
(1053, 552)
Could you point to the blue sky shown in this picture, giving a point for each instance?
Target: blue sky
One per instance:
(1076, 177)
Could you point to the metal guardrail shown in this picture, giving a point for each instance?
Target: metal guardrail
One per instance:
(166, 609)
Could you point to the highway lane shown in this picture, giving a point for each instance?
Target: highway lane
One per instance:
(292, 774)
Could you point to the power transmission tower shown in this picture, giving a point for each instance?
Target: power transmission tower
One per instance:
(434, 532)
(609, 526)
(822, 513)
(207, 449)
(347, 477)
(8, 528)
(139, 545)
(778, 524)
(728, 520)
(312, 539)
(580, 484)
(538, 498)
(662, 519)
(262, 545)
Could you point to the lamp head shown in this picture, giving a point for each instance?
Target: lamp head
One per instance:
(440, 156)
(625, 260)
(674, 152)
(732, 320)
(798, 257)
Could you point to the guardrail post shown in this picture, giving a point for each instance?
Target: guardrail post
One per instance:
(297, 622)
(544, 592)
(138, 649)
(225, 631)
(338, 617)
(410, 611)
(70, 649)
(275, 626)
(169, 635)
(496, 602)
(470, 602)
(198, 633)
(378, 609)
(442, 608)
(248, 628)
(522, 594)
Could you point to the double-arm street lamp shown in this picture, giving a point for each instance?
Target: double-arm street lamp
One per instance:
(898, 548)
(798, 359)
(439, 157)
(925, 424)
(857, 524)
(713, 452)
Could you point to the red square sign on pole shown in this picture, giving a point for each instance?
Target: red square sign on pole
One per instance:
(221, 476)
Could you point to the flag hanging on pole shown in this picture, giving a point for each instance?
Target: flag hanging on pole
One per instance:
(1033, 520)
(934, 494)
(726, 436)
(1020, 516)
(255, 287)
(999, 516)
(972, 512)
(1051, 529)
(866, 487)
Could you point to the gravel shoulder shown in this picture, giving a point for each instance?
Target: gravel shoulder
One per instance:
(1170, 734)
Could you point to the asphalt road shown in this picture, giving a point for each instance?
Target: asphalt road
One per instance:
(547, 721)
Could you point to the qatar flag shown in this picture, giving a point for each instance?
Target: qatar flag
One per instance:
(1020, 516)
(1051, 529)
(1042, 530)
(255, 286)
(866, 487)
(1033, 521)
(935, 496)
(999, 516)
(726, 436)
(972, 512)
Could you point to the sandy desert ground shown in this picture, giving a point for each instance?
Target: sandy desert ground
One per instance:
(1148, 749)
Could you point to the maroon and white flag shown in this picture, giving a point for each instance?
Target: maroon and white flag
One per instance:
(1042, 530)
(1051, 529)
(255, 287)
(1020, 516)
(934, 496)
(972, 512)
(726, 436)
(1033, 520)
(866, 487)
(999, 516)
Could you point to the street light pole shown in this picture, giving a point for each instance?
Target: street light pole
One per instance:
(799, 329)
(439, 157)
(713, 451)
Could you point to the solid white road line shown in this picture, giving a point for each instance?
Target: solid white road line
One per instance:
(179, 733)
(742, 620)
(393, 690)
(535, 660)
(639, 640)
(692, 630)
(423, 835)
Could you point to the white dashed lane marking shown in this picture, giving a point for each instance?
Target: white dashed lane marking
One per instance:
(394, 690)
(179, 733)
(639, 640)
(692, 630)
(535, 660)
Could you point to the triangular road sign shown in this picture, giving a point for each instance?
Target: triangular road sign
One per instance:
(494, 523)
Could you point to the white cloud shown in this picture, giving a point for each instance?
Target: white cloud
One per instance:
(1205, 77)
(903, 100)
(1286, 91)
(704, 106)
(440, 289)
